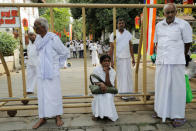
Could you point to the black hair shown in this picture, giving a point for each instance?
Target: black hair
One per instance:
(120, 19)
(103, 57)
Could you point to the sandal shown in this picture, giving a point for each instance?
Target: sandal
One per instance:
(178, 122)
(155, 116)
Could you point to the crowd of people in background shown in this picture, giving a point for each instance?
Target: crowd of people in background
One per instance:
(95, 48)
(76, 48)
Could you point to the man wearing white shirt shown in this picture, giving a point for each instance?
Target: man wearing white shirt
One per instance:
(124, 53)
(31, 64)
(173, 37)
(82, 49)
(51, 56)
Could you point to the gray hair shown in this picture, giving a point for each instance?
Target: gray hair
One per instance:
(167, 5)
(43, 22)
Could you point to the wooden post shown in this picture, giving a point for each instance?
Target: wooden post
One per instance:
(144, 51)
(51, 20)
(84, 40)
(138, 59)
(2, 103)
(22, 57)
(114, 32)
(8, 75)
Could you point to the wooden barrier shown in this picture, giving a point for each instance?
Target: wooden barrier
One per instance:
(84, 6)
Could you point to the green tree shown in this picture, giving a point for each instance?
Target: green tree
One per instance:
(77, 29)
(100, 19)
(61, 19)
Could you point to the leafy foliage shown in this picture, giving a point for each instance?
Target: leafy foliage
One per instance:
(77, 29)
(7, 44)
(99, 19)
(61, 18)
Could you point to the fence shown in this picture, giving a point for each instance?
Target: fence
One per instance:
(144, 94)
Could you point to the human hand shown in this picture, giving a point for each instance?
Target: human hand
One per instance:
(103, 87)
(133, 62)
(106, 69)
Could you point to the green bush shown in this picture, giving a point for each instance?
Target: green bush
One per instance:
(7, 44)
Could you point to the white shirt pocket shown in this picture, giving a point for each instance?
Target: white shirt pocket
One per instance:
(174, 35)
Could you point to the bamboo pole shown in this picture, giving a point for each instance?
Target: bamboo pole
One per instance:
(7, 74)
(61, 5)
(22, 57)
(144, 51)
(85, 57)
(138, 59)
(51, 20)
(31, 107)
(3, 103)
(65, 97)
(114, 32)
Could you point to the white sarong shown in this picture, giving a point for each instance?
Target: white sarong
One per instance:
(103, 106)
(170, 91)
(124, 75)
(31, 78)
(49, 98)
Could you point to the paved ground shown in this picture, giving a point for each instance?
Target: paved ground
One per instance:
(131, 118)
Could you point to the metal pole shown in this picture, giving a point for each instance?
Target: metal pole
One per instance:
(144, 51)
(22, 57)
(84, 40)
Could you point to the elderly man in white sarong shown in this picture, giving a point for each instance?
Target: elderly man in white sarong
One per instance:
(51, 56)
(124, 53)
(173, 37)
(103, 104)
(31, 63)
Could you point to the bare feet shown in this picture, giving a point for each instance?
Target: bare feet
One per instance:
(59, 122)
(39, 123)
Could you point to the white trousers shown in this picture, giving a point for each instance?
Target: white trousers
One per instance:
(49, 98)
(124, 75)
(31, 78)
(170, 91)
(103, 106)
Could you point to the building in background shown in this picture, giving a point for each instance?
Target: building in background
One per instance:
(28, 16)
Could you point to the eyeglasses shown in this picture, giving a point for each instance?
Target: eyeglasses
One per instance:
(168, 12)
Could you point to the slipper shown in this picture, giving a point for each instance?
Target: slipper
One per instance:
(178, 122)
(155, 116)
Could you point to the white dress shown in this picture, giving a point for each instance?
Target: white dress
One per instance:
(103, 104)
(95, 59)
